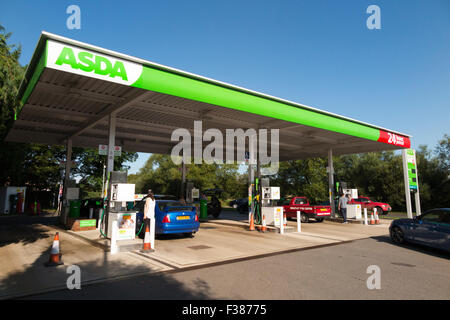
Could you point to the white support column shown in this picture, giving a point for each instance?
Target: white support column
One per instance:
(407, 191)
(299, 222)
(111, 142)
(68, 162)
(417, 195)
(152, 230)
(110, 165)
(331, 182)
(251, 172)
(365, 217)
(282, 223)
(65, 204)
(417, 199)
(183, 180)
(113, 245)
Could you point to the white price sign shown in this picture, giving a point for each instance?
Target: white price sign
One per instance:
(103, 150)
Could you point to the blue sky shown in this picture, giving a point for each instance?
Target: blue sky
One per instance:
(319, 53)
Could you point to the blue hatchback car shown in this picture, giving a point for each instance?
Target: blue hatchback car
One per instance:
(432, 228)
(171, 216)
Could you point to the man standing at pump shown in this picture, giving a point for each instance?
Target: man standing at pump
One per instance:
(342, 207)
(149, 215)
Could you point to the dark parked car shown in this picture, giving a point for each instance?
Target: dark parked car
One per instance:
(241, 205)
(214, 207)
(432, 228)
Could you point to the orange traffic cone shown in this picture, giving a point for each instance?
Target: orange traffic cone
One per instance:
(284, 219)
(252, 224)
(147, 244)
(377, 220)
(55, 257)
(372, 221)
(264, 226)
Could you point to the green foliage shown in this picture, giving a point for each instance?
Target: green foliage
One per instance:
(39, 166)
(303, 178)
(380, 176)
(11, 74)
(164, 177)
(442, 151)
(90, 169)
(377, 175)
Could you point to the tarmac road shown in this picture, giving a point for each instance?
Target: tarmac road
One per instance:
(332, 272)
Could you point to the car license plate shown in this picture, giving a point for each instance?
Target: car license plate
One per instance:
(323, 210)
(183, 217)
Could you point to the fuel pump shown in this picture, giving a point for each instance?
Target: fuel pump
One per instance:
(273, 214)
(116, 207)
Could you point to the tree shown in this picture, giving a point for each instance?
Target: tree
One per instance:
(11, 73)
(164, 177)
(306, 177)
(442, 152)
(89, 169)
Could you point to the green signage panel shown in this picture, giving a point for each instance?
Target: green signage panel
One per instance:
(412, 169)
(87, 223)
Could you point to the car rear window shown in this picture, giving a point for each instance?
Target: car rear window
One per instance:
(300, 201)
(173, 206)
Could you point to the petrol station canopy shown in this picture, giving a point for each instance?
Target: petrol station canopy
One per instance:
(70, 89)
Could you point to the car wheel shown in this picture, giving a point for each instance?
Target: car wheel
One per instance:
(397, 235)
(319, 219)
(304, 218)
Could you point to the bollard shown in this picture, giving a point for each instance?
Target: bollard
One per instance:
(100, 212)
(113, 246)
(299, 222)
(152, 232)
(365, 217)
(281, 223)
(91, 213)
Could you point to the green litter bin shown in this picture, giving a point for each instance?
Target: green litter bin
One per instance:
(203, 209)
(74, 211)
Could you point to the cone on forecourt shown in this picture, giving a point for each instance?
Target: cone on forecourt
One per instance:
(372, 220)
(377, 220)
(147, 247)
(252, 224)
(264, 226)
(284, 219)
(55, 256)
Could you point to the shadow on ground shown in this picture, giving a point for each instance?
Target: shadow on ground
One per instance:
(415, 247)
(104, 278)
(27, 234)
(45, 218)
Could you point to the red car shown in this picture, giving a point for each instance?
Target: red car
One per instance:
(293, 204)
(365, 202)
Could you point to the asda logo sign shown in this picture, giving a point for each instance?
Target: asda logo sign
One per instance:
(92, 64)
(88, 62)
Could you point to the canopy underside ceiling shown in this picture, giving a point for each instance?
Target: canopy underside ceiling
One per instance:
(63, 103)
